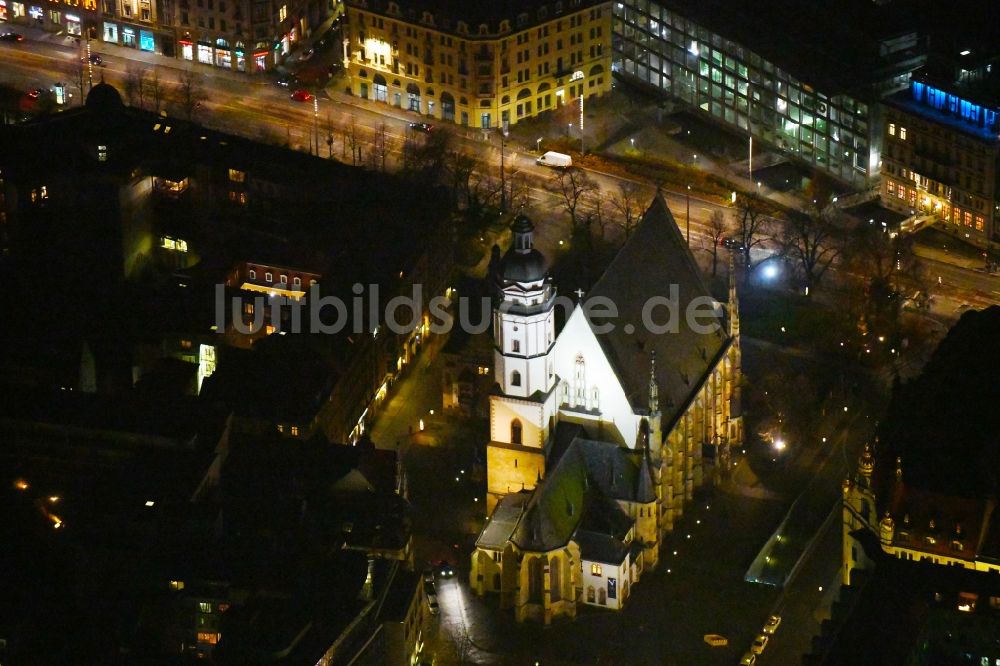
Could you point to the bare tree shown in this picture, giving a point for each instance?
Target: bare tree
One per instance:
(626, 202)
(573, 187)
(191, 92)
(79, 71)
(719, 228)
(132, 86)
(155, 88)
(752, 227)
(890, 269)
(380, 147)
(352, 139)
(813, 243)
(599, 215)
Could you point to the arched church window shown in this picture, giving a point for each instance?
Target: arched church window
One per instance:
(536, 580)
(580, 381)
(555, 582)
(515, 431)
(515, 378)
(515, 346)
(594, 398)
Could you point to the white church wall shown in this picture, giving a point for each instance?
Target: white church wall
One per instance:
(577, 339)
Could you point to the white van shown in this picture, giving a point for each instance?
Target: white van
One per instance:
(556, 160)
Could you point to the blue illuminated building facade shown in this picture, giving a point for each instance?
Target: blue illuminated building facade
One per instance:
(942, 145)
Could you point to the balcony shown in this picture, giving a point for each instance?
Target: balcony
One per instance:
(484, 90)
(484, 56)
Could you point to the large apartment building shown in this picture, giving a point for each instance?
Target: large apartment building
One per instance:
(942, 155)
(241, 35)
(478, 64)
(803, 78)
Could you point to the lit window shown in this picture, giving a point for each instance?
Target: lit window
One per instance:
(281, 428)
(967, 218)
(237, 176)
(102, 153)
(902, 133)
(248, 308)
(892, 129)
(295, 431)
(208, 637)
(185, 344)
(176, 585)
(979, 222)
(595, 569)
(268, 277)
(205, 607)
(282, 12)
(890, 187)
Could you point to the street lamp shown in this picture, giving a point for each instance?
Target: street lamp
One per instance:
(687, 198)
(633, 143)
(538, 145)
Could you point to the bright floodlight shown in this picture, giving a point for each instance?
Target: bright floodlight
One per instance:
(770, 271)
(779, 444)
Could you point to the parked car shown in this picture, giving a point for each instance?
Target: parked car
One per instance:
(307, 54)
(35, 93)
(759, 643)
(421, 127)
(11, 37)
(96, 59)
(428, 576)
(286, 80)
(302, 96)
(749, 659)
(772, 623)
(445, 570)
(432, 604)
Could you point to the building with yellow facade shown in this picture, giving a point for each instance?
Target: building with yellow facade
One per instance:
(478, 64)
(600, 436)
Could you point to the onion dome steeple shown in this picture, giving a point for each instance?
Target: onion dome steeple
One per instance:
(522, 262)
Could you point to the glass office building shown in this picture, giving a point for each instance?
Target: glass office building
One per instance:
(729, 81)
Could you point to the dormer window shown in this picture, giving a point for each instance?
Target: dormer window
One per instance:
(284, 279)
(253, 274)
(268, 277)
(296, 281)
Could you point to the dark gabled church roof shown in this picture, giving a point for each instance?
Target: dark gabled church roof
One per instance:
(654, 259)
(581, 491)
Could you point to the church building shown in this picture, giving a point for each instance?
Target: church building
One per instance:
(600, 435)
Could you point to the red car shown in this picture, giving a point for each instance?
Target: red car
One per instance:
(302, 96)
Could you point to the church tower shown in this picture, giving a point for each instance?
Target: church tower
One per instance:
(858, 511)
(522, 408)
